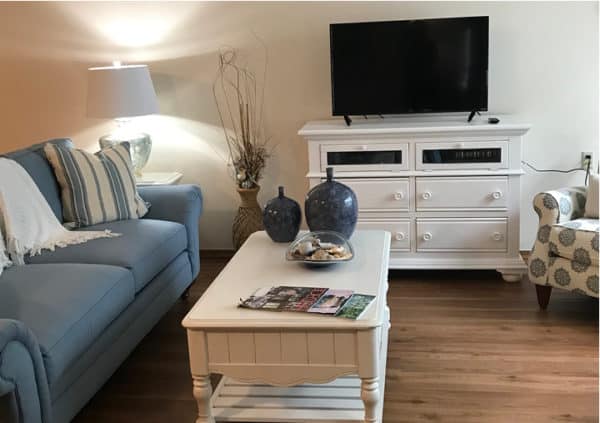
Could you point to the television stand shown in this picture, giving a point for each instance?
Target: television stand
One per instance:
(348, 120)
(447, 190)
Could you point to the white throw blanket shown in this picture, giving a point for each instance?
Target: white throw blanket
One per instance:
(26, 219)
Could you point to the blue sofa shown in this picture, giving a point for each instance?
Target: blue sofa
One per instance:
(70, 317)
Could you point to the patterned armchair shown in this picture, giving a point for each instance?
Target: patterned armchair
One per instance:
(565, 253)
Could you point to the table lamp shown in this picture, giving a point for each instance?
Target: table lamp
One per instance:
(121, 92)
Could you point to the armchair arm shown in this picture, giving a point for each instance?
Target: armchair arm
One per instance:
(552, 207)
(177, 203)
(560, 205)
(22, 375)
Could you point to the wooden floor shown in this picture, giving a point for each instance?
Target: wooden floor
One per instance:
(464, 347)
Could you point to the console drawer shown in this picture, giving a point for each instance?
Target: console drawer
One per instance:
(462, 234)
(461, 193)
(400, 230)
(380, 194)
(365, 156)
(462, 155)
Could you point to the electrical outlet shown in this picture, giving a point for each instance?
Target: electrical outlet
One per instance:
(587, 157)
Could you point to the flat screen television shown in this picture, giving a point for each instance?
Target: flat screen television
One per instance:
(416, 66)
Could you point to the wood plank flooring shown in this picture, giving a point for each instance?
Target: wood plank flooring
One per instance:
(464, 347)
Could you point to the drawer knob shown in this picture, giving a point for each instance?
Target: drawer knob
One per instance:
(460, 145)
(426, 195)
(497, 236)
(363, 147)
(398, 195)
(427, 236)
(496, 195)
(400, 236)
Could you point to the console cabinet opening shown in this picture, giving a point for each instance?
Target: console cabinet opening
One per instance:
(366, 156)
(462, 155)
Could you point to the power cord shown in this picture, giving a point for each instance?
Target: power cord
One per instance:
(586, 169)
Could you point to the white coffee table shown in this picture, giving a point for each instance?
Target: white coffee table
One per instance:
(291, 367)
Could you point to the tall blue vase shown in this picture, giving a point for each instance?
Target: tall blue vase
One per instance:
(282, 217)
(331, 206)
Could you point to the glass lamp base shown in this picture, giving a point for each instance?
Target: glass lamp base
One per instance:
(140, 146)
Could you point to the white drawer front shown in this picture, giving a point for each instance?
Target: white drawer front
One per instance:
(461, 155)
(365, 156)
(461, 193)
(380, 194)
(399, 229)
(462, 234)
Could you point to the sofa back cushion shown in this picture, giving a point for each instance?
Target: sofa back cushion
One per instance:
(34, 161)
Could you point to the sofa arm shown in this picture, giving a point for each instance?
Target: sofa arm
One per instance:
(23, 382)
(552, 207)
(177, 203)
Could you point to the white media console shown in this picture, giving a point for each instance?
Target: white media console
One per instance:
(447, 190)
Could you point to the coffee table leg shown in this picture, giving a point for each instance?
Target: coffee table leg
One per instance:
(202, 394)
(369, 372)
(370, 395)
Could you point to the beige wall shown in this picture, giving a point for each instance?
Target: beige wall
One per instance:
(543, 68)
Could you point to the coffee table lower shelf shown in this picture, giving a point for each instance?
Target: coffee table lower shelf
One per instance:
(334, 402)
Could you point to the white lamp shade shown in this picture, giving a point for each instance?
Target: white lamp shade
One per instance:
(120, 92)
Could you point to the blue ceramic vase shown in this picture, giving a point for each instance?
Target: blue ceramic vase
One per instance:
(282, 217)
(331, 206)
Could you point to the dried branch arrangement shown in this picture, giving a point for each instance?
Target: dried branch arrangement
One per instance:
(240, 104)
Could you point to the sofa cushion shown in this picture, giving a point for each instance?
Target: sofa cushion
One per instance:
(145, 247)
(576, 240)
(66, 306)
(110, 348)
(34, 162)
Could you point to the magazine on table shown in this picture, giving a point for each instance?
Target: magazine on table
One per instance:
(333, 302)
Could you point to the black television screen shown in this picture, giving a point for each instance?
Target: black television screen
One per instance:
(417, 66)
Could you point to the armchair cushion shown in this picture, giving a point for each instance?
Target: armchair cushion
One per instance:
(576, 240)
(591, 204)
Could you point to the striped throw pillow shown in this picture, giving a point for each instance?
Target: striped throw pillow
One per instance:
(96, 188)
